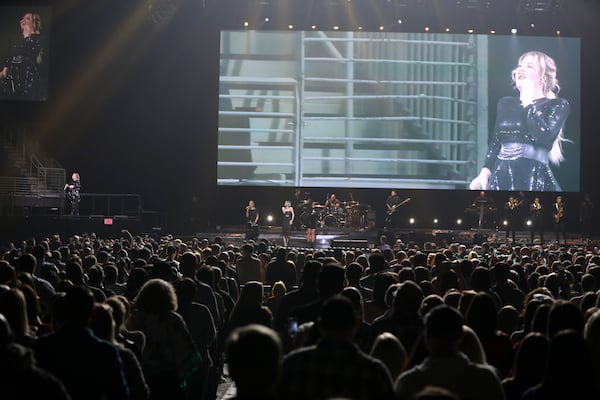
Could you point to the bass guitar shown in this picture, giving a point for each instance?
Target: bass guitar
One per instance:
(395, 206)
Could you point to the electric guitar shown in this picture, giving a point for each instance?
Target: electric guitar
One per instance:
(395, 206)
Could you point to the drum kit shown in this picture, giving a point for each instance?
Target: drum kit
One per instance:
(343, 214)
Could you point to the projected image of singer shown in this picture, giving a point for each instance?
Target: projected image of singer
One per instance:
(21, 74)
(528, 133)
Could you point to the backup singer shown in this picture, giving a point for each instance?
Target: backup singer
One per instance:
(73, 191)
(288, 219)
(252, 217)
(311, 221)
(529, 131)
(511, 209)
(560, 224)
(537, 221)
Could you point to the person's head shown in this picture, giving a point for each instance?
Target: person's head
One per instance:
(78, 305)
(536, 200)
(287, 203)
(482, 316)
(251, 203)
(338, 318)
(251, 294)
(564, 315)
(443, 330)
(13, 307)
(389, 350)
(103, 323)
(393, 193)
(530, 359)
(331, 280)
(31, 23)
(540, 70)
(75, 176)
(278, 290)
(471, 346)
(408, 299)
(254, 355)
(156, 297)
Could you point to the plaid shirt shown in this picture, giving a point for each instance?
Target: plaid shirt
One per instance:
(334, 369)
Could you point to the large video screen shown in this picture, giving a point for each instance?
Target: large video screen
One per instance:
(24, 52)
(399, 110)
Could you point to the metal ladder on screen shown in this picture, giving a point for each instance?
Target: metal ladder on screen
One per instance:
(369, 110)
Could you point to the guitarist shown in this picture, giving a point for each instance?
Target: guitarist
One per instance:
(558, 214)
(392, 203)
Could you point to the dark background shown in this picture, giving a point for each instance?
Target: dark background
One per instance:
(133, 96)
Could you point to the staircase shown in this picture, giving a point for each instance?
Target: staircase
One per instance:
(28, 185)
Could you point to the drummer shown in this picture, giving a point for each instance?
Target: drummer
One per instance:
(333, 204)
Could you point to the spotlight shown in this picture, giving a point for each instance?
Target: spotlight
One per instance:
(399, 21)
(513, 31)
(336, 28)
(435, 221)
(529, 222)
(290, 26)
(267, 19)
(470, 30)
(360, 28)
(381, 27)
(532, 25)
(313, 27)
(246, 24)
(269, 218)
(493, 32)
(447, 29)
(426, 29)
(557, 33)
(459, 221)
(505, 223)
(411, 221)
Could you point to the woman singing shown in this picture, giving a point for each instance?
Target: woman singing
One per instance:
(20, 74)
(73, 191)
(252, 217)
(288, 219)
(528, 134)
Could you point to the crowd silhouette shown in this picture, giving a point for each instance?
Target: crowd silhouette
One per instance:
(137, 317)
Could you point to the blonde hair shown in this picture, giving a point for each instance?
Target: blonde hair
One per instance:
(550, 89)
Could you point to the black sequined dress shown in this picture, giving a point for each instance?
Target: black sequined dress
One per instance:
(523, 137)
(24, 74)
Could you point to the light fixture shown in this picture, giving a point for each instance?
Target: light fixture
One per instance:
(513, 31)
(459, 221)
(411, 221)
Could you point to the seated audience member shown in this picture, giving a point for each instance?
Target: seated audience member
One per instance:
(280, 269)
(254, 358)
(446, 366)
(22, 378)
(569, 372)
(169, 345)
(103, 326)
(89, 367)
(390, 351)
(335, 367)
(529, 365)
(249, 308)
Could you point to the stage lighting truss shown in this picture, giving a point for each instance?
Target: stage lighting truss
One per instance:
(540, 6)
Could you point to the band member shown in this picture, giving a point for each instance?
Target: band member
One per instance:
(288, 219)
(511, 209)
(560, 224)
(392, 203)
(332, 203)
(311, 221)
(252, 217)
(73, 190)
(537, 221)
(585, 216)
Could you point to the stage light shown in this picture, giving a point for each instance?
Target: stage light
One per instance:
(493, 32)
(435, 221)
(505, 223)
(529, 222)
(381, 27)
(399, 21)
(459, 221)
(532, 25)
(246, 23)
(313, 27)
(336, 28)
(447, 29)
(557, 33)
(360, 28)
(426, 29)
(290, 26)
(513, 31)
(267, 19)
(269, 218)
(470, 30)
(411, 221)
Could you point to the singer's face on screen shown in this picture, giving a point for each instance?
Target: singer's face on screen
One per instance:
(528, 73)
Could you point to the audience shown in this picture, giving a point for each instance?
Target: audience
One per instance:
(447, 322)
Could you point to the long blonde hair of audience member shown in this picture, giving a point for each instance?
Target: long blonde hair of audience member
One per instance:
(389, 350)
